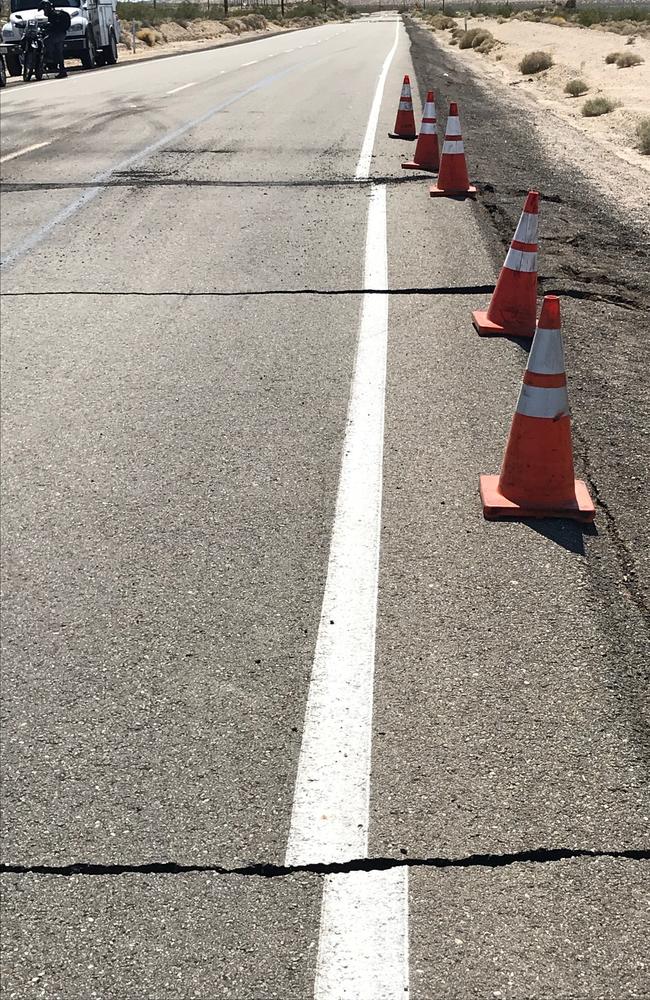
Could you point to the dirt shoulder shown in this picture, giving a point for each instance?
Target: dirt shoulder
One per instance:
(594, 254)
(605, 147)
(171, 37)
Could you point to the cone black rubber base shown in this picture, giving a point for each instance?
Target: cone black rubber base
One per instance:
(405, 138)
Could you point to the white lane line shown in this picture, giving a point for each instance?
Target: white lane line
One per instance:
(363, 951)
(250, 63)
(27, 149)
(329, 820)
(363, 940)
(365, 157)
(177, 90)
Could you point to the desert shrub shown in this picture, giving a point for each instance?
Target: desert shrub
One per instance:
(613, 57)
(576, 88)
(149, 36)
(535, 62)
(631, 40)
(627, 59)
(441, 22)
(256, 22)
(556, 19)
(597, 106)
(467, 38)
(480, 37)
(643, 135)
(486, 46)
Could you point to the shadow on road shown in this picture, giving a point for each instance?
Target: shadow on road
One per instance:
(569, 534)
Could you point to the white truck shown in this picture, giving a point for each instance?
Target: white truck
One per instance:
(92, 37)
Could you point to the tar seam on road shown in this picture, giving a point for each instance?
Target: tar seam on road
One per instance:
(138, 179)
(43, 231)
(434, 290)
(536, 856)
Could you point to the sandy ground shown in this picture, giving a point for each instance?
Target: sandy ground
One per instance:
(201, 35)
(577, 52)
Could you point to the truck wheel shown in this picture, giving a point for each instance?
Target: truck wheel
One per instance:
(110, 52)
(89, 57)
(3, 72)
(13, 64)
(100, 58)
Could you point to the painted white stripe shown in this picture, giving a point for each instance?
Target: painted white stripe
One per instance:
(520, 260)
(177, 90)
(453, 147)
(329, 821)
(250, 63)
(365, 157)
(526, 231)
(535, 401)
(547, 353)
(363, 949)
(453, 125)
(22, 152)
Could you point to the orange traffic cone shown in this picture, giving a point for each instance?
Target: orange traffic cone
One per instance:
(513, 306)
(405, 121)
(536, 478)
(452, 177)
(427, 155)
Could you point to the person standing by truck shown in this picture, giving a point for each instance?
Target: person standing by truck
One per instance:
(58, 23)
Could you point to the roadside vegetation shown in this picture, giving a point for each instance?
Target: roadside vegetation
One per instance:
(597, 106)
(535, 62)
(627, 59)
(643, 135)
(623, 19)
(576, 88)
(156, 24)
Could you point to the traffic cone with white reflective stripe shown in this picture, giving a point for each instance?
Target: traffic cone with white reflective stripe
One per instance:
(512, 310)
(405, 121)
(427, 154)
(537, 478)
(452, 177)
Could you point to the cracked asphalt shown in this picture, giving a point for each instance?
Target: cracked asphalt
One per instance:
(177, 360)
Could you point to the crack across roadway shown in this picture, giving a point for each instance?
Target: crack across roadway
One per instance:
(136, 293)
(149, 181)
(540, 855)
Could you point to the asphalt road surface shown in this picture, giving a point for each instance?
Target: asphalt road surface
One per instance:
(283, 716)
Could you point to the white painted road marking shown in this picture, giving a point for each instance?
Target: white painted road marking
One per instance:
(363, 952)
(21, 152)
(177, 90)
(365, 157)
(250, 63)
(363, 941)
(329, 820)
